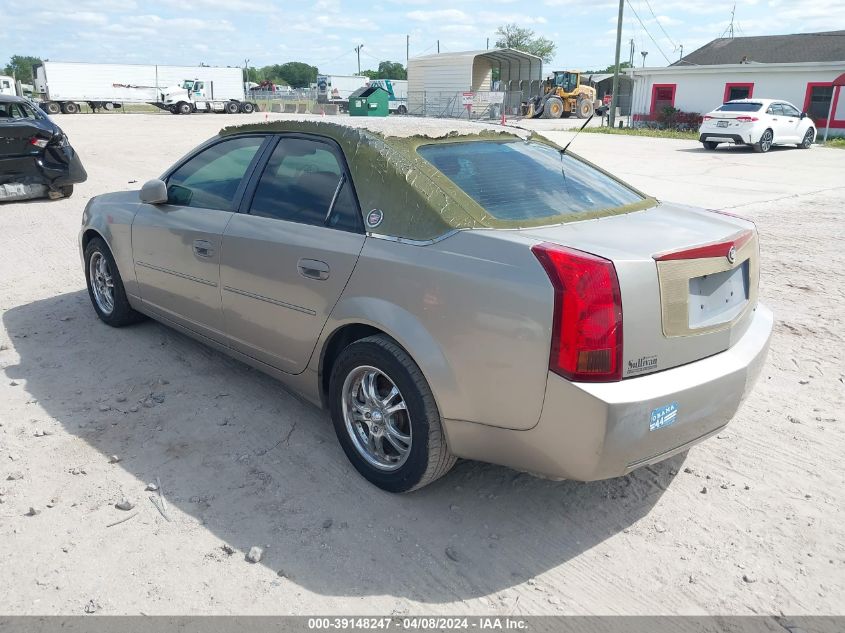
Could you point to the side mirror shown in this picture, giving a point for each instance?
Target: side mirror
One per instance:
(153, 192)
(803, 115)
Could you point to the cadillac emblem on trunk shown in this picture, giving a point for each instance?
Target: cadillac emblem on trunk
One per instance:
(732, 254)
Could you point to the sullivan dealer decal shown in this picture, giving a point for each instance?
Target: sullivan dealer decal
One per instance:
(646, 363)
(663, 416)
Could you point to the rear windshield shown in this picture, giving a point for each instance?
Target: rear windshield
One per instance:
(522, 181)
(739, 107)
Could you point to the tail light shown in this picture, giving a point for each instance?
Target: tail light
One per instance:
(707, 117)
(587, 329)
(747, 119)
(38, 142)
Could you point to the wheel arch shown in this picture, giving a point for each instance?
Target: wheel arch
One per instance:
(362, 317)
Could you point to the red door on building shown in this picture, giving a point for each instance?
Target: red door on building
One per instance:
(662, 96)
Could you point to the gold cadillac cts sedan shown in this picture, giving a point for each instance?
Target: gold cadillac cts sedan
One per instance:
(474, 294)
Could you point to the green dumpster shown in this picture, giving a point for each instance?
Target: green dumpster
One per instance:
(369, 101)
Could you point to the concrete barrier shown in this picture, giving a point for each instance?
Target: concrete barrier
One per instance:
(301, 108)
(290, 108)
(276, 107)
(331, 108)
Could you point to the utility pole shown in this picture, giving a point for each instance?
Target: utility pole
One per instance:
(358, 50)
(615, 98)
(681, 46)
(438, 46)
(488, 43)
(407, 49)
(631, 59)
(644, 54)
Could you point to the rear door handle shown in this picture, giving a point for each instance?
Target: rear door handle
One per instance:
(313, 269)
(203, 248)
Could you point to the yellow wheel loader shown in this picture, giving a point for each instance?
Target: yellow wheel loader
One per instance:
(564, 95)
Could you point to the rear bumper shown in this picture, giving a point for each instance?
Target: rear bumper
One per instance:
(54, 167)
(721, 137)
(602, 430)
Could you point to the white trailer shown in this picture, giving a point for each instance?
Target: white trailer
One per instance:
(397, 89)
(337, 88)
(62, 86)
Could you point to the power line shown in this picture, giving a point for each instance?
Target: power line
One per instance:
(647, 32)
(648, 4)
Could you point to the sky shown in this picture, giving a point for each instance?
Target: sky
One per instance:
(324, 33)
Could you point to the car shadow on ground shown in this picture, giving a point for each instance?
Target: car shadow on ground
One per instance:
(256, 465)
(738, 149)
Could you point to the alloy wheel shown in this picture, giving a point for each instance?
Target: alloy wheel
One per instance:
(766, 141)
(102, 282)
(376, 418)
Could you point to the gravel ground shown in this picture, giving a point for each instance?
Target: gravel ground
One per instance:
(749, 522)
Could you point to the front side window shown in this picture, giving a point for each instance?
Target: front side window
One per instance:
(525, 181)
(210, 179)
(790, 110)
(775, 109)
(305, 182)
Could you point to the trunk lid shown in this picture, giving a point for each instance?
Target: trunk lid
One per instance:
(688, 279)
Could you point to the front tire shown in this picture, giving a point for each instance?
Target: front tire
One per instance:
(765, 143)
(402, 110)
(553, 108)
(711, 145)
(105, 287)
(807, 142)
(385, 416)
(183, 108)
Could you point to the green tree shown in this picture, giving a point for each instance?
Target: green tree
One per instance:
(296, 74)
(521, 39)
(20, 66)
(609, 70)
(386, 70)
(391, 70)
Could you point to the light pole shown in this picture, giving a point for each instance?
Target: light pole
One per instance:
(614, 99)
(358, 50)
(644, 54)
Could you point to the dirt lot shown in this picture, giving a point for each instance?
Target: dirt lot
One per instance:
(749, 522)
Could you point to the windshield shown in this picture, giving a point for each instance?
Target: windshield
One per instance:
(739, 107)
(523, 181)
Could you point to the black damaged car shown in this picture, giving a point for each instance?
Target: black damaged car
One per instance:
(36, 159)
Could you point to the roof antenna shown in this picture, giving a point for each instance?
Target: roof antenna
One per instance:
(601, 111)
(730, 30)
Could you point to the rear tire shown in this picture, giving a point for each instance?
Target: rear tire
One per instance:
(808, 139)
(67, 191)
(247, 107)
(765, 143)
(425, 456)
(69, 107)
(232, 107)
(117, 312)
(51, 107)
(402, 110)
(584, 108)
(711, 145)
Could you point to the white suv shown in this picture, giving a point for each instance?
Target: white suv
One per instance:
(760, 123)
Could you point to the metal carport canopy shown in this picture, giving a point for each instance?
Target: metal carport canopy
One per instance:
(454, 71)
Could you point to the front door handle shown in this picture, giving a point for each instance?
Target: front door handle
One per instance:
(313, 269)
(203, 248)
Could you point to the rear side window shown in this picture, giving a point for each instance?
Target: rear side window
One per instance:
(305, 182)
(740, 107)
(211, 178)
(524, 181)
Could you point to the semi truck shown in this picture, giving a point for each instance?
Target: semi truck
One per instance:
(63, 86)
(397, 89)
(337, 88)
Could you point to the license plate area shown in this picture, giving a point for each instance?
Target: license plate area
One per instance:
(721, 124)
(718, 297)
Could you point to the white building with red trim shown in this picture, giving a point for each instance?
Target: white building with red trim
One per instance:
(798, 68)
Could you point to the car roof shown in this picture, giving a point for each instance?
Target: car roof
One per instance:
(418, 202)
(13, 99)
